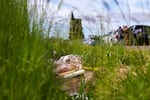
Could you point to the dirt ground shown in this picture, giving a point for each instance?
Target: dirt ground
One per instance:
(138, 47)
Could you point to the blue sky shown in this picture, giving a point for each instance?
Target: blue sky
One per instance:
(99, 16)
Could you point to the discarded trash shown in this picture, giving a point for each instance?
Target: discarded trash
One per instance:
(68, 63)
(76, 73)
(69, 73)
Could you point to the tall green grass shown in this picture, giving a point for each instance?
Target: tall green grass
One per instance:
(25, 73)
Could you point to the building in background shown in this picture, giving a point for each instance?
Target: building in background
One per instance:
(75, 31)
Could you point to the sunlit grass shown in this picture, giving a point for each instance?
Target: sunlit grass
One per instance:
(104, 60)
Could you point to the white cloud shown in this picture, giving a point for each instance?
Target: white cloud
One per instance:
(93, 11)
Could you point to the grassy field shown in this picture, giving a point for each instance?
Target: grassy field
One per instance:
(26, 62)
(119, 72)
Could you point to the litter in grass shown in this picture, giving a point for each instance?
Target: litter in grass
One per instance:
(70, 74)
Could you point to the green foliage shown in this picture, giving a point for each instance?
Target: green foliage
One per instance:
(134, 85)
(25, 73)
(14, 20)
(134, 58)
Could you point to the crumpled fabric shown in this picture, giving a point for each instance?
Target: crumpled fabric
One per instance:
(68, 63)
(70, 75)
